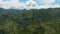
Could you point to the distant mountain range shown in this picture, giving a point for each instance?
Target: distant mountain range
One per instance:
(5, 11)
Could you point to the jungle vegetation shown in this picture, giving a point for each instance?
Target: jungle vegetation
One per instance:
(33, 21)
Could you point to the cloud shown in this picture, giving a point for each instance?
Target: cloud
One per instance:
(55, 6)
(30, 4)
(47, 1)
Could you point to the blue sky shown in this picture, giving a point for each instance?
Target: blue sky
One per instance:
(23, 1)
(29, 4)
(57, 1)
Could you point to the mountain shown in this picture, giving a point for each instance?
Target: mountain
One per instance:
(5, 11)
(33, 21)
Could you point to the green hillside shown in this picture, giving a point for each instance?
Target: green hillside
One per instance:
(34, 21)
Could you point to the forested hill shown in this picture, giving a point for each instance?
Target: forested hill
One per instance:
(33, 21)
(5, 11)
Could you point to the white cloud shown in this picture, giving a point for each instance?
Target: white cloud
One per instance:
(15, 4)
(47, 1)
(55, 6)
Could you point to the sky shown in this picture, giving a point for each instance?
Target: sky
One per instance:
(29, 4)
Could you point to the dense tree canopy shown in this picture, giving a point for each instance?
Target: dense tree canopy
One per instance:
(34, 21)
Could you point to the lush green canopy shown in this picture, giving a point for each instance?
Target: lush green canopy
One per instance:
(34, 21)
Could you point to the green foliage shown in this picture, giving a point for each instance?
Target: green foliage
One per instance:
(34, 21)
